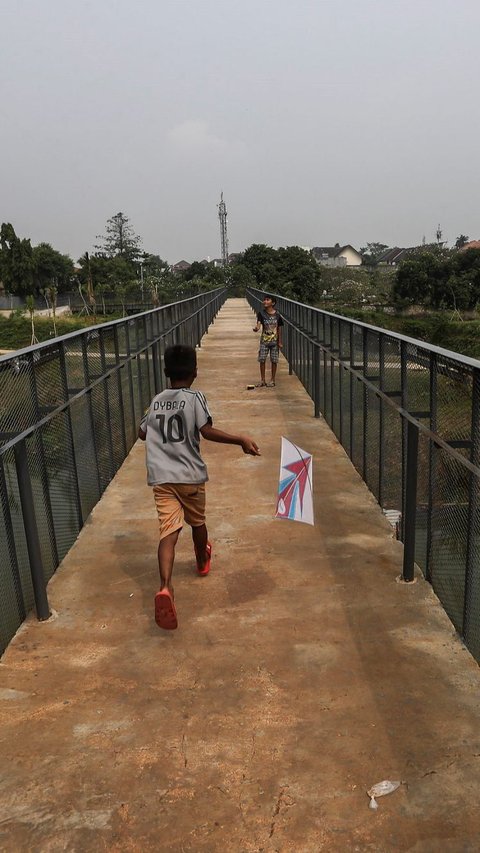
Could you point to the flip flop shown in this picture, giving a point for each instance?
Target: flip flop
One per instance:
(261, 385)
(206, 568)
(270, 384)
(165, 613)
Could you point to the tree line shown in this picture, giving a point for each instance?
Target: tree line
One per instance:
(439, 279)
(432, 276)
(118, 266)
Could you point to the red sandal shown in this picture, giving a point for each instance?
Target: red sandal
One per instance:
(206, 568)
(165, 613)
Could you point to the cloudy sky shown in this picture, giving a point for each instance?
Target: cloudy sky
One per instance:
(321, 121)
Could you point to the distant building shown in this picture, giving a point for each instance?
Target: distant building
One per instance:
(392, 257)
(473, 244)
(181, 266)
(337, 256)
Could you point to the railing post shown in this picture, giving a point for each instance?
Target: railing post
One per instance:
(78, 500)
(86, 373)
(316, 382)
(410, 511)
(43, 465)
(11, 546)
(351, 381)
(365, 404)
(120, 391)
(404, 399)
(31, 532)
(130, 379)
(381, 424)
(138, 360)
(156, 368)
(432, 459)
(106, 399)
(471, 607)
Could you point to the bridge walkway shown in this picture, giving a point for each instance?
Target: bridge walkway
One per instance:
(301, 673)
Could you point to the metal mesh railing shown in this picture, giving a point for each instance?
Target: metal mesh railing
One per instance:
(69, 414)
(408, 415)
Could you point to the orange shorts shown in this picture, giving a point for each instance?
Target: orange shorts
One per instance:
(177, 502)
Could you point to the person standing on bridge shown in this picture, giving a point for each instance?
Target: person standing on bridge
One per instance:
(172, 426)
(271, 324)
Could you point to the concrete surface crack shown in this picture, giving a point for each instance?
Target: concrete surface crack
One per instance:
(253, 747)
(439, 769)
(283, 800)
(183, 750)
(240, 802)
(163, 794)
(218, 788)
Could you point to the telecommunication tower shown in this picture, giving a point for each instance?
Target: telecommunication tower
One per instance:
(222, 215)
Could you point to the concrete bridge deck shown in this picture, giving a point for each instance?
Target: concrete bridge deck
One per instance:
(301, 672)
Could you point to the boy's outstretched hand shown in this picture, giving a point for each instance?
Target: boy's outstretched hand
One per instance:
(244, 441)
(249, 446)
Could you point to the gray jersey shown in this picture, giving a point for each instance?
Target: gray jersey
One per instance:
(172, 424)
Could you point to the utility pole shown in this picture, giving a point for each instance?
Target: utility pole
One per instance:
(222, 215)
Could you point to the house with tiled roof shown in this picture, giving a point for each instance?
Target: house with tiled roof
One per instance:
(473, 244)
(392, 257)
(337, 256)
(181, 266)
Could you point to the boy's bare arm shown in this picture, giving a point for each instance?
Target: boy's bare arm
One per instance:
(141, 434)
(244, 441)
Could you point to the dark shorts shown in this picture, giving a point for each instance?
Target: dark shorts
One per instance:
(268, 350)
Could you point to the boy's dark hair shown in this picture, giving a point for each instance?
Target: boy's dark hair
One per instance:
(269, 296)
(180, 361)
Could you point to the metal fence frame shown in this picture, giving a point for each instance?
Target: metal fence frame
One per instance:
(69, 415)
(408, 415)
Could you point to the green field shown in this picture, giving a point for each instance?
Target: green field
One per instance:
(16, 333)
(440, 328)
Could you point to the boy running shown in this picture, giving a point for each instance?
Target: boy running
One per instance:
(172, 427)
(270, 340)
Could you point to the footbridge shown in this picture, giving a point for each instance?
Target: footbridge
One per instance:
(312, 662)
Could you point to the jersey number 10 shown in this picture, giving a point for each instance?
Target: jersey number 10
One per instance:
(175, 431)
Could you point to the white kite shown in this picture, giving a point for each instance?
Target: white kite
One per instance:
(295, 488)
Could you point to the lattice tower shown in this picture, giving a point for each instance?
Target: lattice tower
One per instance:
(222, 215)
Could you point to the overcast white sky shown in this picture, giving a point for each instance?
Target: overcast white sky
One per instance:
(321, 121)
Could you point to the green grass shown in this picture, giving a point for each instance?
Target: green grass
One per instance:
(15, 331)
(461, 336)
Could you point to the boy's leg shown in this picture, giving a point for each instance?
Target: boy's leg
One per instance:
(193, 502)
(273, 362)
(166, 556)
(262, 357)
(200, 540)
(170, 517)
